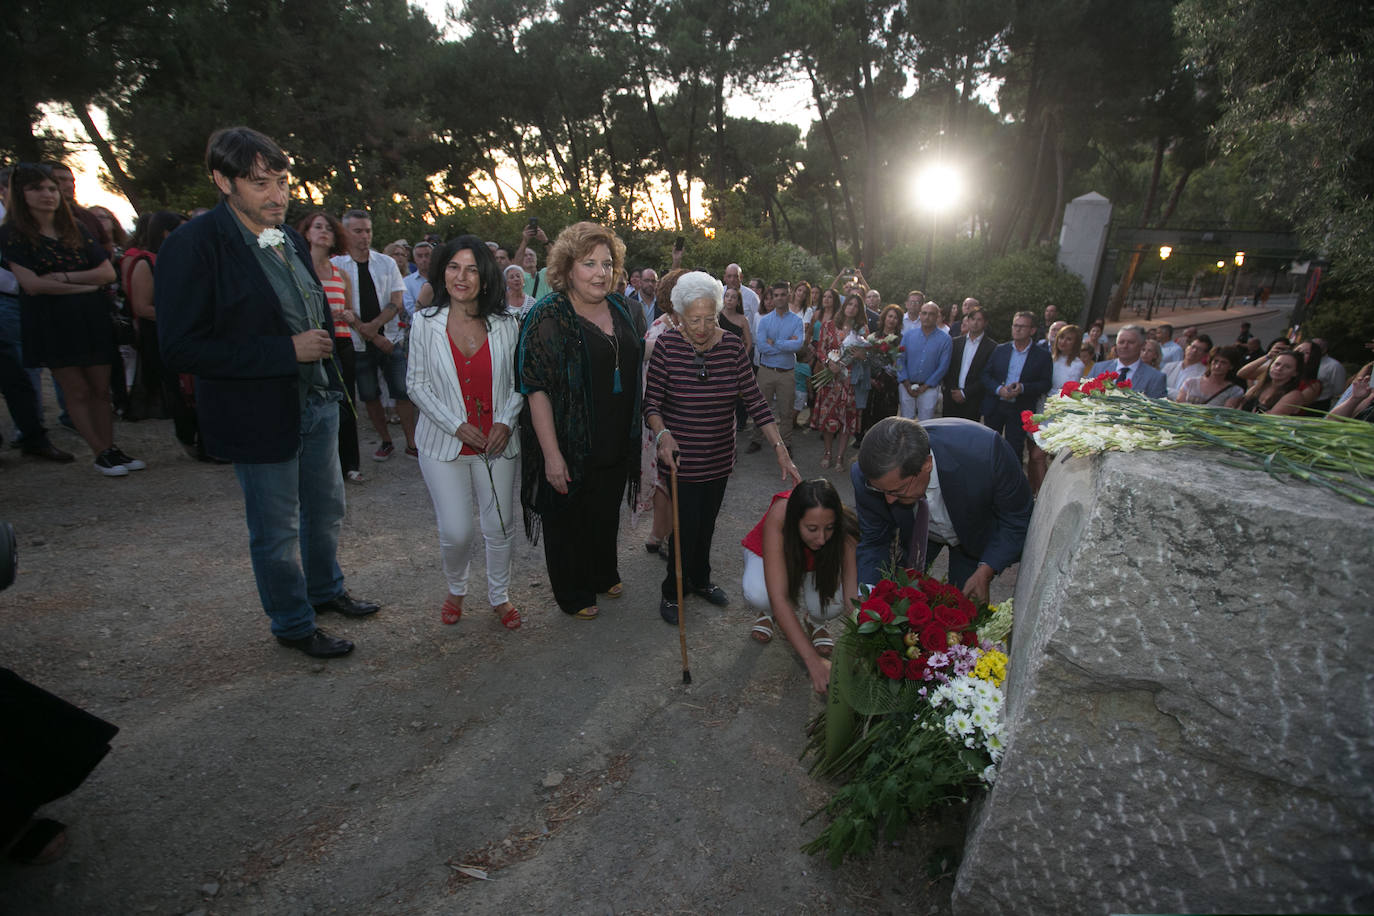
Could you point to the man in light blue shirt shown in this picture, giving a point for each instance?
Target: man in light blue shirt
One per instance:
(924, 362)
(414, 282)
(779, 337)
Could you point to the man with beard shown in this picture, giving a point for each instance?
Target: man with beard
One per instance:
(240, 307)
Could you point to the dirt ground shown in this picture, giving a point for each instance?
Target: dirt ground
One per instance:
(565, 760)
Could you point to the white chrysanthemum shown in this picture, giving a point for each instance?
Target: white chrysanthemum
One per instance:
(989, 775)
(961, 722)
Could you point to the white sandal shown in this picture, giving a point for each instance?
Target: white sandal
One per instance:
(821, 639)
(762, 633)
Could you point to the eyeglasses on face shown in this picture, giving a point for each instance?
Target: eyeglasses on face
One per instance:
(897, 492)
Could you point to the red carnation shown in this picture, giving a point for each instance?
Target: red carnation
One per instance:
(1068, 389)
(891, 665)
(883, 347)
(1028, 422)
(875, 609)
(1125, 384)
(934, 638)
(918, 614)
(1107, 375)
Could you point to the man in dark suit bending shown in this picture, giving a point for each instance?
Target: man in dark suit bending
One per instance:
(942, 483)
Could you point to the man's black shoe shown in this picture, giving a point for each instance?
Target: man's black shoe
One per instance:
(346, 604)
(668, 611)
(46, 449)
(318, 644)
(714, 594)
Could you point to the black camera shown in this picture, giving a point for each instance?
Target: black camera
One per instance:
(9, 555)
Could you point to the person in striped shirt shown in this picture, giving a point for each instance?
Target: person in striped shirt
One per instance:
(695, 374)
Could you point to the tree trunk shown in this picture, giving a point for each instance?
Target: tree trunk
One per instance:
(1036, 173)
(689, 155)
(718, 89)
(1173, 198)
(1004, 223)
(521, 167)
(107, 156)
(1057, 217)
(866, 97)
(571, 180)
(835, 154)
(496, 183)
(1123, 288)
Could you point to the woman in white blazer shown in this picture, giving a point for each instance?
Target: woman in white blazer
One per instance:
(462, 378)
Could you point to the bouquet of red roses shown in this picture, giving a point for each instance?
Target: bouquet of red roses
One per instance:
(907, 618)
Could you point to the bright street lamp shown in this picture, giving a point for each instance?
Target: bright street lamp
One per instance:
(1164, 252)
(936, 189)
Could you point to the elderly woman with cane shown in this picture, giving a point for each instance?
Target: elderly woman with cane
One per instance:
(695, 374)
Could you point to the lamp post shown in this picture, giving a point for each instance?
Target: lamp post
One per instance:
(1235, 280)
(1164, 252)
(936, 189)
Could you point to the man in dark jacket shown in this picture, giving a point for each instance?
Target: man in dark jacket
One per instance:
(942, 483)
(239, 306)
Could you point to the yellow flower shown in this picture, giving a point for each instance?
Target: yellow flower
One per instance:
(992, 667)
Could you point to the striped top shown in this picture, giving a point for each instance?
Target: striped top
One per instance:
(700, 413)
(334, 295)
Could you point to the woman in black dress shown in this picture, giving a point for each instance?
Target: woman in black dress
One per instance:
(578, 367)
(65, 319)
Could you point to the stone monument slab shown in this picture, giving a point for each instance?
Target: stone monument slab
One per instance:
(1190, 705)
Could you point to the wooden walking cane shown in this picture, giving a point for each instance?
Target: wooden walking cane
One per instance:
(677, 570)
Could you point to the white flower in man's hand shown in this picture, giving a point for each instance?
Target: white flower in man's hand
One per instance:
(271, 238)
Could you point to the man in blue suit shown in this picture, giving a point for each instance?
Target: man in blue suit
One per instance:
(239, 306)
(1128, 366)
(943, 483)
(1018, 374)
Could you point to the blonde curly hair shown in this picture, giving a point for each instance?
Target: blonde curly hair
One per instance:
(577, 241)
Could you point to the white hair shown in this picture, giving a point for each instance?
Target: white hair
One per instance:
(696, 285)
(513, 266)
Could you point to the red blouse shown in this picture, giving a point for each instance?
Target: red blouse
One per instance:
(475, 376)
(753, 541)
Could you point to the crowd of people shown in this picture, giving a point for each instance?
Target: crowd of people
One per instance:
(548, 396)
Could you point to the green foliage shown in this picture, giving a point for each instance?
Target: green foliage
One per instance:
(908, 767)
(1346, 322)
(1296, 93)
(1028, 280)
(756, 256)
(1023, 280)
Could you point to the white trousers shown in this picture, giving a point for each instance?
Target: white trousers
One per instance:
(756, 593)
(453, 486)
(919, 408)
